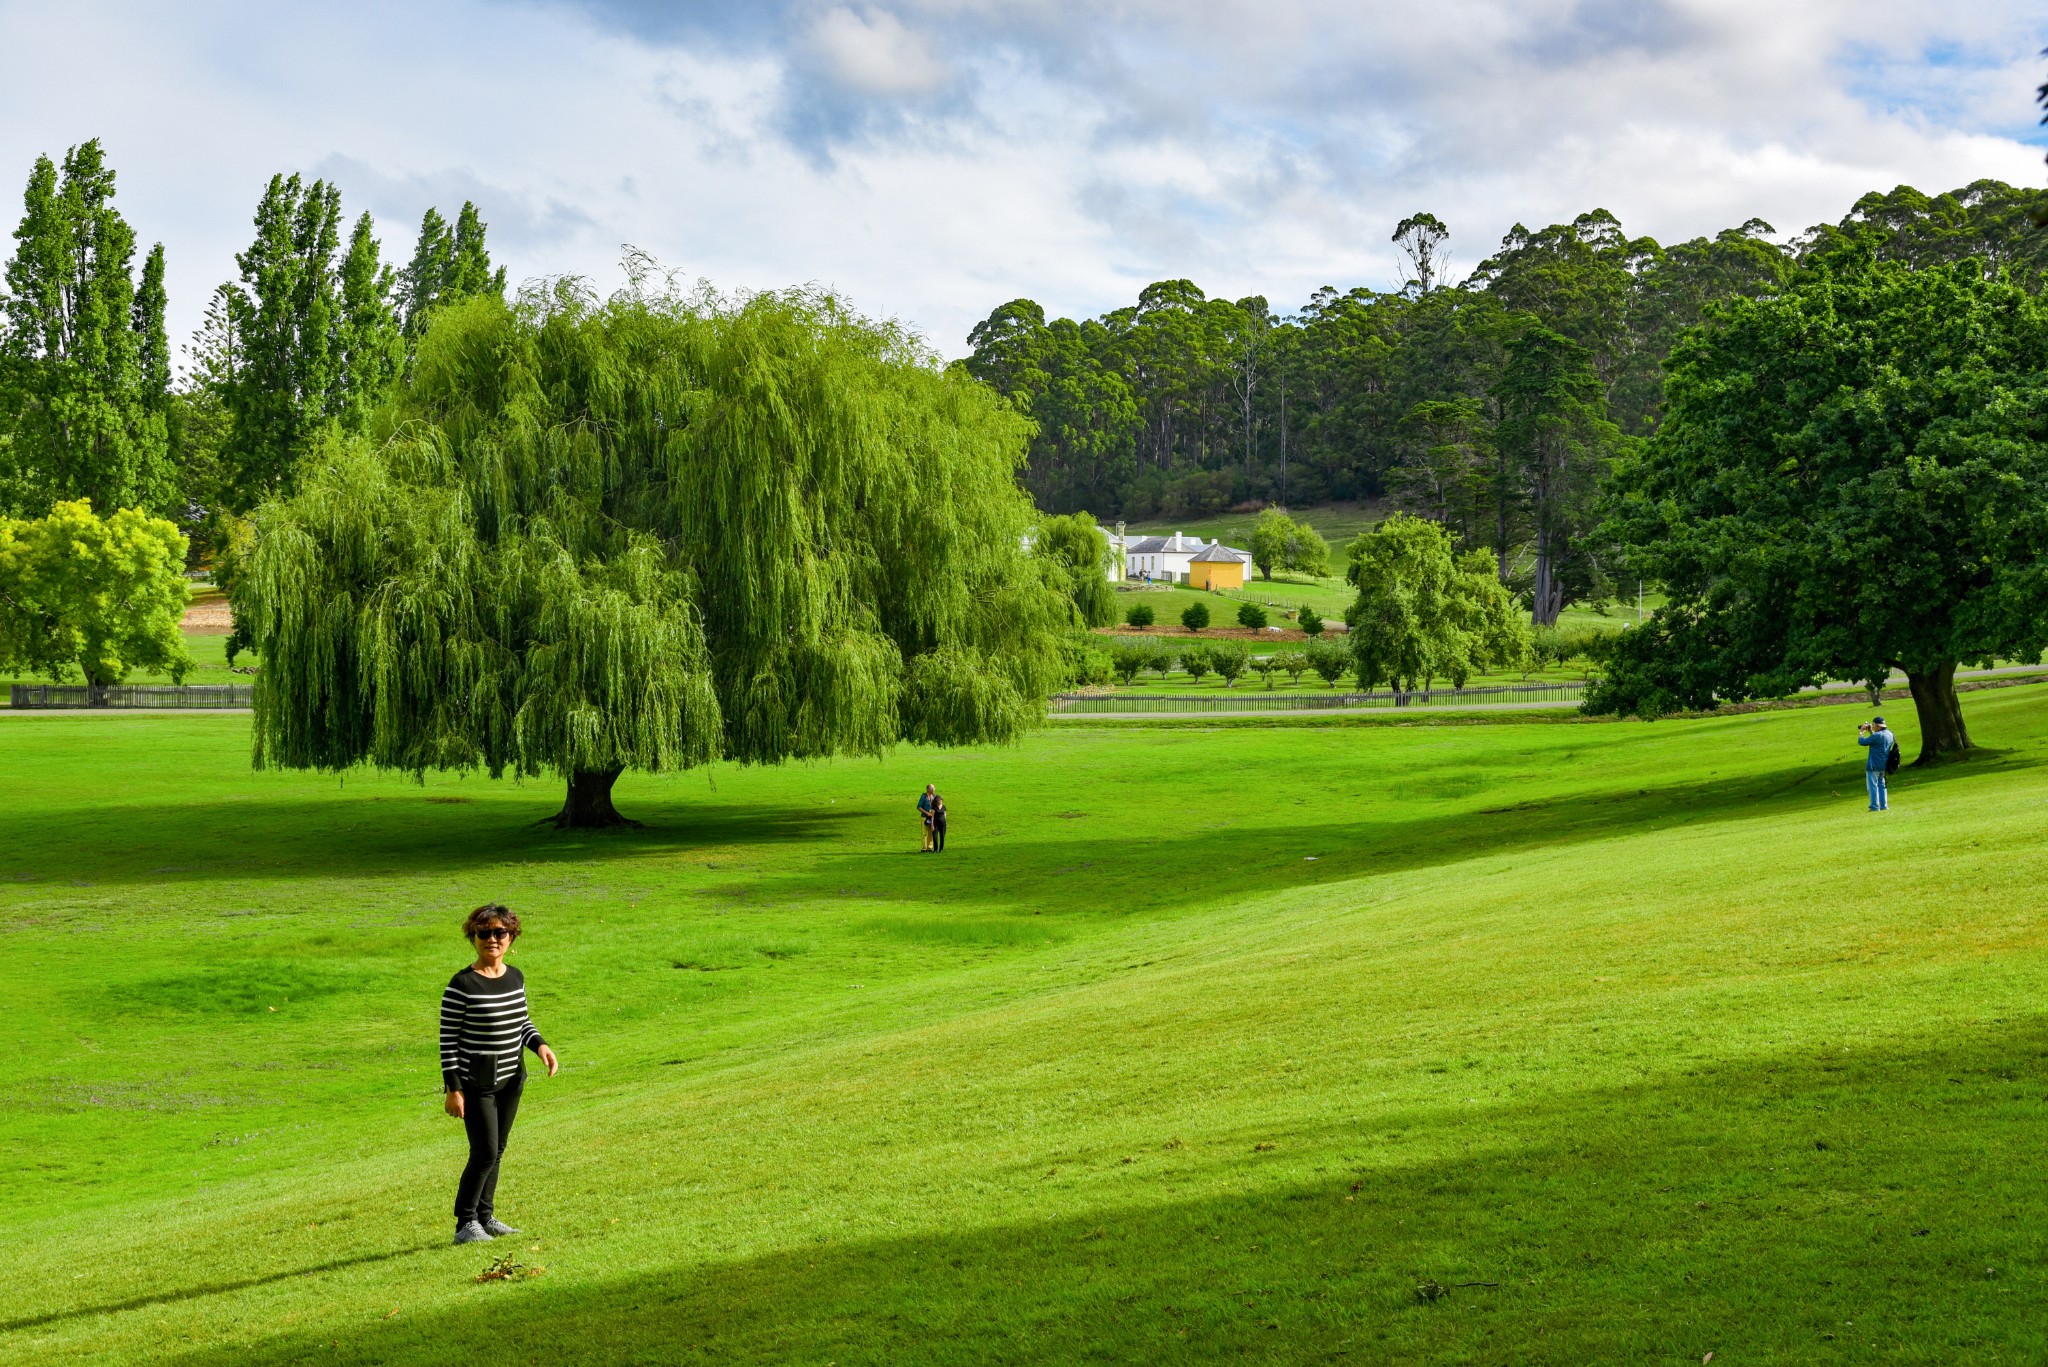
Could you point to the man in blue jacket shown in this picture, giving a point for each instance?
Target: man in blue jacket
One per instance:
(1878, 740)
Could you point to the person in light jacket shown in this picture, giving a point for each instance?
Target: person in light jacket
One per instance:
(1877, 740)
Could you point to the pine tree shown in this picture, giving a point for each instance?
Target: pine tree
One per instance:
(83, 355)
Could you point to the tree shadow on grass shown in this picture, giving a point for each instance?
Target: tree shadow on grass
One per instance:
(1745, 1210)
(193, 1293)
(355, 836)
(1126, 870)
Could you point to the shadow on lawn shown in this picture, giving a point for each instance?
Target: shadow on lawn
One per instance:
(193, 1293)
(348, 835)
(1136, 870)
(1748, 1211)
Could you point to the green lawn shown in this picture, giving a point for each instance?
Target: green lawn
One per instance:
(1201, 1044)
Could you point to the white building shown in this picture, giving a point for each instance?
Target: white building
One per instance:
(1166, 559)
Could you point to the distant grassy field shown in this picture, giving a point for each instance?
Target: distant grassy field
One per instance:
(1338, 523)
(1199, 1045)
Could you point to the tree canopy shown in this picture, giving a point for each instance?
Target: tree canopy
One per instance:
(1080, 554)
(92, 596)
(1852, 478)
(1426, 612)
(649, 533)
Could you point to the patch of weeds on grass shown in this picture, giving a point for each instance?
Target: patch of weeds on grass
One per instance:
(506, 1270)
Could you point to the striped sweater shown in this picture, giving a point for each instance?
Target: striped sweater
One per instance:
(484, 1026)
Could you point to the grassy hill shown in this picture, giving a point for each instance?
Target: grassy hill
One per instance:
(1644, 1041)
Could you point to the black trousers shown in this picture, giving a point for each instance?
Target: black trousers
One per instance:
(939, 836)
(487, 1116)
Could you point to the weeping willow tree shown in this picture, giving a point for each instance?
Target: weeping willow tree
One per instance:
(647, 533)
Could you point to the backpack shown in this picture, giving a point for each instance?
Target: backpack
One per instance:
(1891, 759)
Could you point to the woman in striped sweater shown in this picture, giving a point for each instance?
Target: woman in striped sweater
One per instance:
(485, 1032)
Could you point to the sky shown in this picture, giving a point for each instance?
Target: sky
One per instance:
(932, 159)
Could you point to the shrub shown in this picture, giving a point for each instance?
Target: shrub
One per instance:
(1329, 660)
(1310, 622)
(1264, 665)
(1139, 614)
(1092, 668)
(1127, 661)
(1196, 661)
(1195, 616)
(1251, 615)
(1292, 663)
(1229, 660)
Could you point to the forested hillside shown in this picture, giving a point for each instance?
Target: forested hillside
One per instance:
(1491, 403)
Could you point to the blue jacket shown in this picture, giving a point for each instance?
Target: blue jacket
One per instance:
(1880, 743)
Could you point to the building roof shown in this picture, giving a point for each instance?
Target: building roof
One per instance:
(1144, 545)
(1220, 554)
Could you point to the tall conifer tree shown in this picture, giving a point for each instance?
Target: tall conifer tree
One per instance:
(447, 266)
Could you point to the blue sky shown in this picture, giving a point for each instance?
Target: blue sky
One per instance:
(934, 158)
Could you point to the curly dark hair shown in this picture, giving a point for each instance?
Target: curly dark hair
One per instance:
(490, 913)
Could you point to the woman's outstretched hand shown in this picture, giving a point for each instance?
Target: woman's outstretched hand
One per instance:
(547, 1056)
(452, 1103)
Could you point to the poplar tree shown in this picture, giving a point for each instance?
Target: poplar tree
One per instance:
(83, 360)
(309, 337)
(648, 534)
(446, 267)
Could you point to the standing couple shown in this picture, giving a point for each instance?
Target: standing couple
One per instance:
(932, 809)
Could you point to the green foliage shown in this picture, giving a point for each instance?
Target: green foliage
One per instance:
(1195, 616)
(307, 340)
(1264, 666)
(1139, 614)
(1425, 612)
(1087, 665)
(649, 533)
(1281, 542)
(1162, 659)
(1196, 661)
(1292, 663)
(1310, 621)
(1852, 478)
(1079, 554)
(1229, 660)
(1555, 439)
(1128, 659)
(1329, 660)
(99, 596)
(84, 362)
(1251, 615)
(447, 267)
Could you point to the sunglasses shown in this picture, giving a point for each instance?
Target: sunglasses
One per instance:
(494, 933)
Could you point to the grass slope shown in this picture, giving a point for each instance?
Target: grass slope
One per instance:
(1651, 1027)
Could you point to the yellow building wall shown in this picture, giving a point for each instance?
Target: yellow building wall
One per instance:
(1212, 575)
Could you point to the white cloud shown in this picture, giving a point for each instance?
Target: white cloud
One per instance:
(933, 158)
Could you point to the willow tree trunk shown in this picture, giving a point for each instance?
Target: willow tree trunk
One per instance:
(589, 803)
(1942, 733)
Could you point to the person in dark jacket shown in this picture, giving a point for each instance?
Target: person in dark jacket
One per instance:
(1878, 741)
(938, 823)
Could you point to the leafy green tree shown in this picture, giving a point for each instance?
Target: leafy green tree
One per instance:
(1128, 659)
(84, 363)
(1310, 621)
(1554, 431)
(1270, 536)
(1852, 478)
(447, 266)
(1307, 552)
(1425, 243)
(1080, 556)
(1196, 662)
(308, 339)
(1425, 612)
(648, 534)
(99, 596)
(1329, 660)
(1263, 666)
(1229, 660)
(1161, 661)
(1139, 614)
(1195, 616)
(1292, 663)
(1251, 615)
